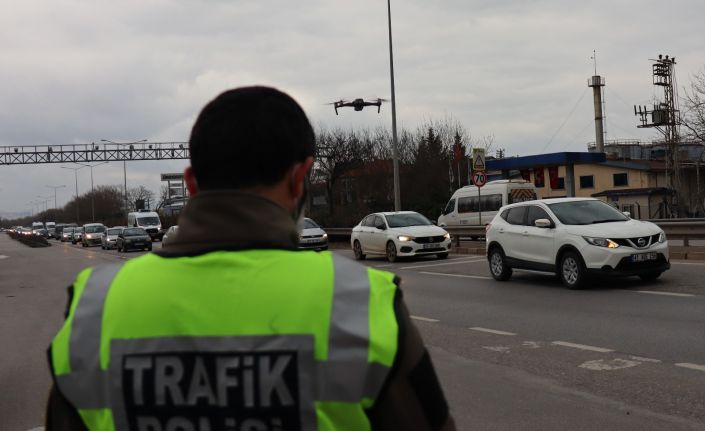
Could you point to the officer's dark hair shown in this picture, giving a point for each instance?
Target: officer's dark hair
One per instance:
(248, 137)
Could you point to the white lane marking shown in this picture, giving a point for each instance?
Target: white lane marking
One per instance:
(654, 292)
(687, 263)
(2, 256)
(458, 262)
(36, 429)
(691, 366)
(424, 319)
(492, 331)
(582, 347)
(501, 349)
(643, 359)
(531, 344)
(611, 365)
(384, 266)
(478, 277)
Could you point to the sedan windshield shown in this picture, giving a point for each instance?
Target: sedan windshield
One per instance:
(310, 224)
(408, 219)
(148, 221)
(586, 212)
(133, 232)
(95, 229)
(114, 231)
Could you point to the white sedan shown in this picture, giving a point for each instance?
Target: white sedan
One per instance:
(398, 234)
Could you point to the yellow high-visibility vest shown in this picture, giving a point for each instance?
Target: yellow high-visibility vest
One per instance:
(229, 340)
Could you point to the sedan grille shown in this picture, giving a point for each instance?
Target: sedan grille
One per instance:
(429, 239)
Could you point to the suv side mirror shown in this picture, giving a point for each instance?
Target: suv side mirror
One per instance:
(543, 223)
(381, 226)
(627, 213)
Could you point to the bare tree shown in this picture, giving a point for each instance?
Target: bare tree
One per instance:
(139, 193)
(694, 118)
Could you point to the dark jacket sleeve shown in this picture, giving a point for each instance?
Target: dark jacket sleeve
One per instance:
(412, 397)
(60, 414)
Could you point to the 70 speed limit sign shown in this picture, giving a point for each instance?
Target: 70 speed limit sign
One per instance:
(479, 178)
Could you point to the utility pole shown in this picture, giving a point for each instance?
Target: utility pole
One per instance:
(665, 117)
(395, 146)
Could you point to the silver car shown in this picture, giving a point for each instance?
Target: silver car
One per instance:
(312, 237)
(108, 240)
(170, 235)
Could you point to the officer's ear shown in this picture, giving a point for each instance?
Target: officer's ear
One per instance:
(190, 180)
(297, 176)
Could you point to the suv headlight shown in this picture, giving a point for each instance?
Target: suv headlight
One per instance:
(446, 236)
(662, 237)
(405, 238)
(601, 242)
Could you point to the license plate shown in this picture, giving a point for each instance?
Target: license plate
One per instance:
(642, 257)
(431, 246)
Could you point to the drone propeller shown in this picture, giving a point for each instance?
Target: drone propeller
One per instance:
(337, 102)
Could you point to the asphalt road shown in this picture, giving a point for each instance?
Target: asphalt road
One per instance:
(525, 354)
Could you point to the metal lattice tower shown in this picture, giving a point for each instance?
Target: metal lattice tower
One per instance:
(665, 117)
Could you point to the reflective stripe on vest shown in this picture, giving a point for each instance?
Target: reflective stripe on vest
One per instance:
(346, 376)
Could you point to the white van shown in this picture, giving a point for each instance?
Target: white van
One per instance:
(147, 220)
(466, 205)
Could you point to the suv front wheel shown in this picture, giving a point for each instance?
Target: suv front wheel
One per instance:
(572, 270)
(498, 265)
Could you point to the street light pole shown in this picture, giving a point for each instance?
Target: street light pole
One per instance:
(75, 174)
(55, 187)
(124, 166)
(92, 190)
(395, 149)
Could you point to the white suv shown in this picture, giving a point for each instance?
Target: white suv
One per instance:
(574, 237)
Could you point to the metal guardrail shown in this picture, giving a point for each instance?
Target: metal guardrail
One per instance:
(681, 229)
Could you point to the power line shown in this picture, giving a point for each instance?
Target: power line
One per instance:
(566, 120)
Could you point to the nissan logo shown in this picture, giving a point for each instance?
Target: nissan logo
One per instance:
(641, 242)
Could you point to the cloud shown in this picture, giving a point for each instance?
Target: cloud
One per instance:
(78, 71)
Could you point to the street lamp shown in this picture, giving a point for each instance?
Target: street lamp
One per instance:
(75, 174)
(124, 164)
(55, 187)
(92, 191)
(395, 149)
(45, 200)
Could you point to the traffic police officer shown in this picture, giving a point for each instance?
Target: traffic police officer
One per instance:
(229, 327)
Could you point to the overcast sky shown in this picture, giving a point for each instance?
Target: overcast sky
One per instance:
(81, 71)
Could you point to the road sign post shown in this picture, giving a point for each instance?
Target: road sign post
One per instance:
(479, 178)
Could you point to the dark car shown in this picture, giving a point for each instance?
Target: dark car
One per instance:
(134, 238)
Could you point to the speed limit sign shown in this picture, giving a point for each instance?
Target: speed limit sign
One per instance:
(479, 178)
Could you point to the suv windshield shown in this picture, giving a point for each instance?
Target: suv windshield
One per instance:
(133, 232)
(409, 219)
(95, 229)
(147, 221)
(586, 212)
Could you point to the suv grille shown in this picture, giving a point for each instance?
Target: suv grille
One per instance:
(634, 242)
(428, 239)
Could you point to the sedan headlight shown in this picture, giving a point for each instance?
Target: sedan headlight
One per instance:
(325, 236)
(89, 236)
(601, 242)
(446, 236)
(405, 238)
(662, 237)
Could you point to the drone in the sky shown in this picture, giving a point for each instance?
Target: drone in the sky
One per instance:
(358, 104)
